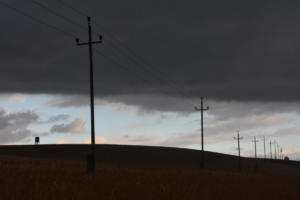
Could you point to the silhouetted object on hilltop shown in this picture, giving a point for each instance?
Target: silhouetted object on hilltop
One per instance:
(202, 165)
(36, 140)
(286, 158)
(91, 157)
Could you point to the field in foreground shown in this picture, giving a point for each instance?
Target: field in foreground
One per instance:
(34, 178)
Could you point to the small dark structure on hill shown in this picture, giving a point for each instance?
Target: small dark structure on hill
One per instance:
(286, 158)
(36, 140)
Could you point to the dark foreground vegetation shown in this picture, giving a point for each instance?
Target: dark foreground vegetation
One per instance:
(24, 177)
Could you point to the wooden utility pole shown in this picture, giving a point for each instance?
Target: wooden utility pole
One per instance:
(278, 151)
(265, 156)
(238, 138)
(91, 157)
(202, 137)
(275, 146)
(271, 149)
(255, 152)
(255, 141)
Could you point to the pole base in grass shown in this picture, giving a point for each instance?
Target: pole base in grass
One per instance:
(90, 164)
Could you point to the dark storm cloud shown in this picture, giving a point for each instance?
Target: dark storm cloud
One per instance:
(224, 50)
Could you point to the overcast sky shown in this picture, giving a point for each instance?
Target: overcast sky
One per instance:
(156, 61)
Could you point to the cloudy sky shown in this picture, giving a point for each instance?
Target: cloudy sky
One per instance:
(156, 60)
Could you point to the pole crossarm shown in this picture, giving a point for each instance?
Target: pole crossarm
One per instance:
(90, 36)
(238, 136)
(86, 43)
(201, 109)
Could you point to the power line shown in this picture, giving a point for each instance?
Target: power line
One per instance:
(61, 30)
(45, 7)
(142, 64)
(48, 9)
(56, 28)
(68, 34)
(129, 70)
(135, 59)
(148, 71)
(72, 8)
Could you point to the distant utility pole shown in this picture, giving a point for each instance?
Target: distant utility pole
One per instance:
(255, 141)
(275, 146)
(264, 147)
(202, 138)
(278, 150)
(238, 138)
(255, 152)
(91, 157)
(271, 149)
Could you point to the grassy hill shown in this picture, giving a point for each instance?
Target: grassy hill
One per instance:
(139, 172)
(143, 155)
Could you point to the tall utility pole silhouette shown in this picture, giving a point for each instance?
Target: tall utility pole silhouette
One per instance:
(91, 157)
(264, 147)
(202, 138)
(238, 138)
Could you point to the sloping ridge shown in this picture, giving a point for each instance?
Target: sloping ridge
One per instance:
(152, 155)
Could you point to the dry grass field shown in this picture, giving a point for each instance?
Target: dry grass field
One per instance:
(33, 178)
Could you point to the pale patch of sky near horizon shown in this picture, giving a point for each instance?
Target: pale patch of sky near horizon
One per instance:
(128, 126)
